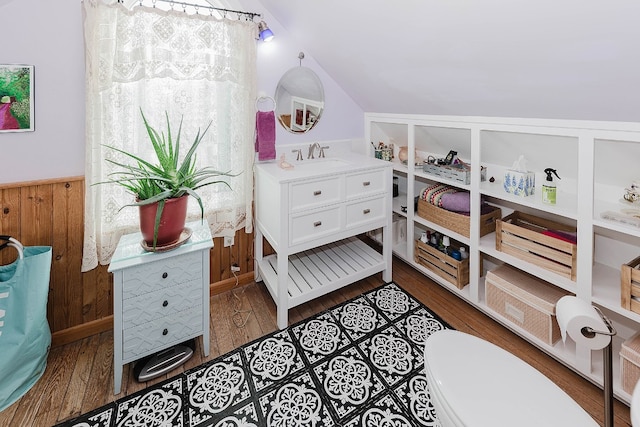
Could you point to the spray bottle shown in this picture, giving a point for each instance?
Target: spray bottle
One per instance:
(549, 187)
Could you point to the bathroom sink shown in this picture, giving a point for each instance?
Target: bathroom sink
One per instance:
(320, 164)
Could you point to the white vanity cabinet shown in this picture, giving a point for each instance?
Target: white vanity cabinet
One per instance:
(595, 161)
(310, 215)
(160, 299)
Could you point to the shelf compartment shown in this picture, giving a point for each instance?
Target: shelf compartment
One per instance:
(318, 271)
(520, 235)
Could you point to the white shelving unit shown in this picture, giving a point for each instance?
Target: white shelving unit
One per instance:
(595, 161)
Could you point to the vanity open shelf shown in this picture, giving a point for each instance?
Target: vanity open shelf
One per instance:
(315, 272)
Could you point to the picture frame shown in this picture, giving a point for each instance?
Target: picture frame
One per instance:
(16, 98)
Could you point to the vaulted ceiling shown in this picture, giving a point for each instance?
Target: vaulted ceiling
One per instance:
(568, 59)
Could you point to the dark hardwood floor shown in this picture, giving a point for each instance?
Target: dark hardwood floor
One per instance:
(79, 376)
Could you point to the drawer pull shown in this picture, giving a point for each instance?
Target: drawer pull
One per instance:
(366, 211)
(165, 331)
(165, 303)
(317, 223)
(165, 275)
(317, 192)
(366, 183)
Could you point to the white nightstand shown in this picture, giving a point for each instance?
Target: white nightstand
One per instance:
(159, 298)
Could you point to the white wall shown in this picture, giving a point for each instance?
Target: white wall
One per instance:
(48, 34)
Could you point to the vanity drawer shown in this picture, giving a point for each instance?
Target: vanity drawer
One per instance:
(365, 183)
(160, 333)
(152, 276)
(161, 303)
(313, 225)
(365, 211)
(312, 194)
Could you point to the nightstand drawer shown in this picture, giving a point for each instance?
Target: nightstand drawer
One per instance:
(160, 333)
(149, 277)
(311, 194)
(365, 211)
(365, 183)
(161, 303)
(315, 225)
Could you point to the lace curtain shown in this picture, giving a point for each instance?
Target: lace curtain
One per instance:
(195, 67)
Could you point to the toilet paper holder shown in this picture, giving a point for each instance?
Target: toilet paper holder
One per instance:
(607, 365)
(589, 332)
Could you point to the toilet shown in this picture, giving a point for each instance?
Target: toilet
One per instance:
(475, 383)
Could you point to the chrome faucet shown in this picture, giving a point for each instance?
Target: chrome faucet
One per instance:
(322, 151)
(312, 148)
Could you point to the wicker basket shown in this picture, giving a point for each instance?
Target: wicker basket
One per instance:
(526, 301)
(450, 269)
(521, 235)
(630, 363)
(457, 222)
(630, 285)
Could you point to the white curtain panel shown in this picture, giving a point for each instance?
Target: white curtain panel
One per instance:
(195, 67)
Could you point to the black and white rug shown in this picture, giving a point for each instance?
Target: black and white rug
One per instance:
(360, 363)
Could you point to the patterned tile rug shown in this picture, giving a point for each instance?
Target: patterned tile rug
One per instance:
(360, 363)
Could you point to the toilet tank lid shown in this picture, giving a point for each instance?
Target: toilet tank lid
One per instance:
(488, 386)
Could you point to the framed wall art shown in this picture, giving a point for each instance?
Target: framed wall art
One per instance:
(16, 98)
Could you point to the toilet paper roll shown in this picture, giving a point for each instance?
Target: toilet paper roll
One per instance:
(573, 314)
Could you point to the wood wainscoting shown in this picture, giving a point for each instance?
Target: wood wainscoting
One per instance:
(51, 213)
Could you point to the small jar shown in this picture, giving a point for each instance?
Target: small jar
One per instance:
(463, 253)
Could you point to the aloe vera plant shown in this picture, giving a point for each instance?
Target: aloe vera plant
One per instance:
(165, 177)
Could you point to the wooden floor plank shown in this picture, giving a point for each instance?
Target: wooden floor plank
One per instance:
(72, 406)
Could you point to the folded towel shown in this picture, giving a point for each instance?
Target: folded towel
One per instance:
(266, 135)
(433, 194)
(456, 202)
(562, 235)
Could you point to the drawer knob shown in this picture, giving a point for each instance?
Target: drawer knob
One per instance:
(317, 192)
(165, 303)
(165, 331)
(165, 275)
(366, 211)
(317, 223)
(366, 183)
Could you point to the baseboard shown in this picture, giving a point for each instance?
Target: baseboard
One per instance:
(79, 332)
(94, 327)
(228, 284)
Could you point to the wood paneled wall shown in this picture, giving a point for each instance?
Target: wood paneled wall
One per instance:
(51, 213)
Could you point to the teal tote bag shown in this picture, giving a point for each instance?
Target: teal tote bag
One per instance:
(25, 336)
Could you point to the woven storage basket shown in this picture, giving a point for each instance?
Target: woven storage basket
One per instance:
(457, 222)
(526, 301)
(521, 235)
(450, 269)
(630, 363)
(630, 285)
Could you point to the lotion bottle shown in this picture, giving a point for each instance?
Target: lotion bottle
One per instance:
(549, 187)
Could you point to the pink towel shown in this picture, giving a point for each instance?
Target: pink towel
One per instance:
(266, 135)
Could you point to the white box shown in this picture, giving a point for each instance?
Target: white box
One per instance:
(519, 183)
(399, 230)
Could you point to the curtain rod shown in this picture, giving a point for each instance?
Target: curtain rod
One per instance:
(249, 15)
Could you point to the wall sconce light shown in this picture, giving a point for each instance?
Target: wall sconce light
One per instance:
(265, 33)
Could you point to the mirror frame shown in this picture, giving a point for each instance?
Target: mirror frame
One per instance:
(299, 100)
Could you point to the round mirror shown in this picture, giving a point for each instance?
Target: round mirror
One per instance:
(299, 100)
